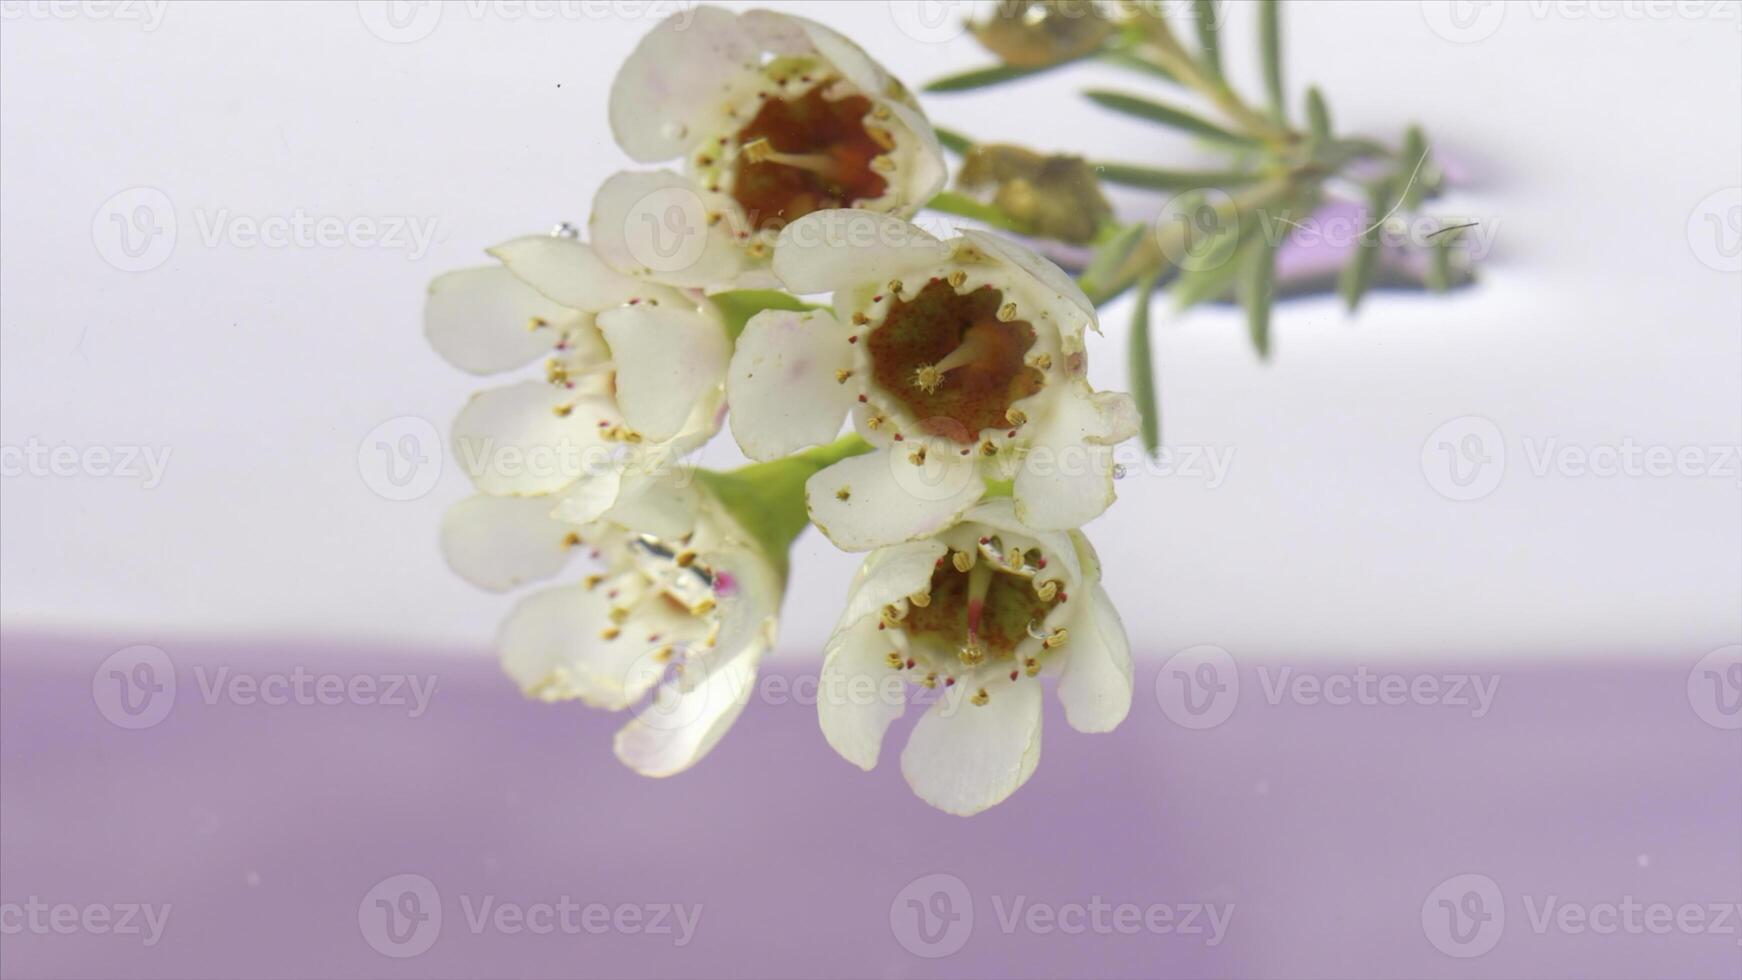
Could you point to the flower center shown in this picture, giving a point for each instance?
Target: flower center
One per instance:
(955, 360)
(807, 154)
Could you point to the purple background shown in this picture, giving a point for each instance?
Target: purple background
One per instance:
(1326, 827)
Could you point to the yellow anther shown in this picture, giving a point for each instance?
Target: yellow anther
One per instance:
(1031, 666)
(894, 660)
(1057, 639)
(929, 680)
(685, 559)
(980, 698)
(571, 539)
(1007, 312)
(958, 277)
(963, 560)
(928, 378)
(843, 493)
(917, 457)
(920, 599)
(1016, 416)
(842, 375)
(610, 633)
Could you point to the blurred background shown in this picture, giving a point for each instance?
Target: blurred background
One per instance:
(227, 445)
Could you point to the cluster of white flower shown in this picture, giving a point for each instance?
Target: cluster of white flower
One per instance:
(980, 446)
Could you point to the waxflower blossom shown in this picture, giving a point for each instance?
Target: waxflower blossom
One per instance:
(962, 360)
(974, 614)
(774, 117)
(633, 377)
(682, 607)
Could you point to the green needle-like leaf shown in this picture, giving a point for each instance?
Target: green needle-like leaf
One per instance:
(1357, 276)
(963, 206)
(1256, 279)
(1412, 159)
(1143, 369)
(1318, 115)
(953, 141)
(1166, 115)
(1270, 49)
(986, 77)
(1131, 175)
(1204, 12)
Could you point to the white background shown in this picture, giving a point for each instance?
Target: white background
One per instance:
(1596, 131)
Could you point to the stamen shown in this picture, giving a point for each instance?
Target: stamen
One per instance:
(1057, 639)
(976, 344)
(920, 599)
(963, 560)
(1046, 590)
(894, 660)
(761, 151)
(980, 698)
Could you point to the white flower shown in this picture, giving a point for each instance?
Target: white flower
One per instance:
(634, 377)
(962, 360)
(774, 117)
(975, 613)
(683, 607)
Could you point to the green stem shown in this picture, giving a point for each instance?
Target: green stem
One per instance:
(767, 499)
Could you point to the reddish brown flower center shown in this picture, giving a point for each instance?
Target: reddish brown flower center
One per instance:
(1007, 611)
(981, 357)
(817, 155)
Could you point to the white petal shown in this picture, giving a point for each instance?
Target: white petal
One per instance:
(748, 590)
(1049, 279)
(892, 573)
(828, 250)
(664, 505)
(569, 272)
(655, 225)
(782, 386)
(481, 320)
(1066, 480)
(925, 170)
(858, 695)
(890, 500)
(780, 34)
(553, 645)
(682, 725)
(667, 360)
(669, 93)
(963, 758)
(588, 498)
(1095, 685)
(851, 60)
(513, 440)
(497, 543)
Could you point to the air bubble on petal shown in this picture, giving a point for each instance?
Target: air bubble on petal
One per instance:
(674, 131)
(1118, 471)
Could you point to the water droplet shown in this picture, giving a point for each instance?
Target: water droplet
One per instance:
(1118, 471)
(564, 229)
(674, 131)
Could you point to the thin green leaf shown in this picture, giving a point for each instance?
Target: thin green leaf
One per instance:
(1166, 115)
(1131, 62)
(986, 77)
(963, 206)
(953, 141)
(739, 305)
(1204, 12)
(1142, 367)
(1412, 158)
(1257, 278)
(1357, 276)
(1110, 253)
(1318, 115)
(1131, 175)
(1439, 271)
(1270, 49)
